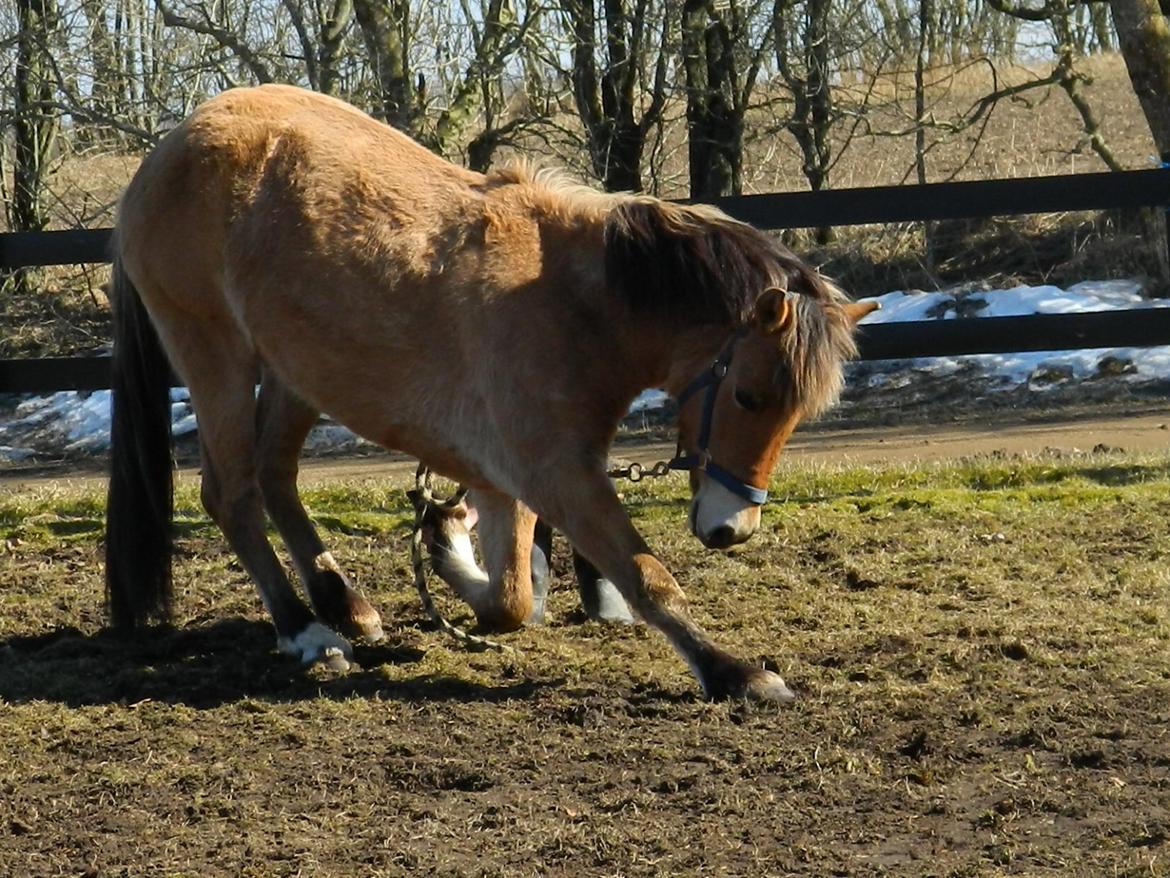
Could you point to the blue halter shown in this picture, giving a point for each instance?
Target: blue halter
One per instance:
(701, 459)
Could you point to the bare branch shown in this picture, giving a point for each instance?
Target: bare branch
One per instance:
(226, 38)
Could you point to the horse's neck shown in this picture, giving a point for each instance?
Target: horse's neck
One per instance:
(690, 353)
(641, 352)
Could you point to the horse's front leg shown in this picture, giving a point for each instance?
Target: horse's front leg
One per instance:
(588, 511)
(501, 596)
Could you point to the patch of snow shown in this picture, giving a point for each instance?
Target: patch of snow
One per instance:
(1012, 370)
(80, 422)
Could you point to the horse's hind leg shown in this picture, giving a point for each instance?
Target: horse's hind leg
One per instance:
(221, 375)
(600, 598)
(283, 422)
(541, 565)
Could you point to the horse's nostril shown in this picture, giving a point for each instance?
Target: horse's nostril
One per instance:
(722, 537)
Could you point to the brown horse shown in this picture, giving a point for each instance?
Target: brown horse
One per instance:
(496, 327)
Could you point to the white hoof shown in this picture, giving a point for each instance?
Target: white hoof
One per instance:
(318, 644)
(768, 686)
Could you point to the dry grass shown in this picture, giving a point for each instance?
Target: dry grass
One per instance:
(983, 650)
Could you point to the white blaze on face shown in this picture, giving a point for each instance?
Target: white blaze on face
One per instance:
(720, 518)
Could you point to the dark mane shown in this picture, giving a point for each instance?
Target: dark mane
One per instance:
(695, 266)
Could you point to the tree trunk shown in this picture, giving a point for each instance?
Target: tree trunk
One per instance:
(35, 125)
(810, 84)
(385, 26)
(485, 67)
(1144, 39)
(714, 125)
(606, 103)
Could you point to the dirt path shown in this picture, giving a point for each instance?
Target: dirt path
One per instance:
(1147, 432)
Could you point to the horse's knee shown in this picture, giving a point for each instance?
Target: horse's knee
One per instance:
(508, 612)
(661, 587)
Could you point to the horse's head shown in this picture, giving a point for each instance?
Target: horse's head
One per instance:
(760, 342)
(738, 411)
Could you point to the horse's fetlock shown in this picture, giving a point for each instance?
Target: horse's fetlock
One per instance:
(506, 608)
(501, 620)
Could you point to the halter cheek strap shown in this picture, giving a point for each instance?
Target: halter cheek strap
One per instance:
(701, 459)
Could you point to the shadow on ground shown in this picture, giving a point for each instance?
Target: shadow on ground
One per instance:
(211, 665)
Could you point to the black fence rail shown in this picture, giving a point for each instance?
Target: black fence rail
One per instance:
(839, 207)
(1147, 327)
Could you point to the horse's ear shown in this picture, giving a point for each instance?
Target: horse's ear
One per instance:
(775, 311)
(856, 310)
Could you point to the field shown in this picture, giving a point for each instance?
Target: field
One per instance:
(982, 648)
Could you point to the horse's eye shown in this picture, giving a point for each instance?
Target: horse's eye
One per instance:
(747, 401)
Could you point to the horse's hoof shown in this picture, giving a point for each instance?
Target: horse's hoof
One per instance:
(604, 603)
(363, 621)
(316, 644)
(371, 633)
(764, 685)
(724, 677)
(537, 616)
(339, 604)
(334, 660)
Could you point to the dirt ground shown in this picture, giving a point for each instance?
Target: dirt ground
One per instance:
(983, 656)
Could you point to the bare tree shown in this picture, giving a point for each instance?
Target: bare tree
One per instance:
(616, 59)
(34, 121)
(804, 59)
(1144, 38)
(495, 33)
(724, 46)
(386, 33)
(321, 31)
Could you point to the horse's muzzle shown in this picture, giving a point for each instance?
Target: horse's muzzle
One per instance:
(719, 518)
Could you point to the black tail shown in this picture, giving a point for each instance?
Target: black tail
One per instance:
(139, 507)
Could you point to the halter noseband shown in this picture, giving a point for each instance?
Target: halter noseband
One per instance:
(701, 459)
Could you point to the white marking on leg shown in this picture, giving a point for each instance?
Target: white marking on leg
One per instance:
(324, 563)
(316, 643)
(769, 686)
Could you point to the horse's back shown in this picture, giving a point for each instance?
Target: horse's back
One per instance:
(256, 174)
(294, 231)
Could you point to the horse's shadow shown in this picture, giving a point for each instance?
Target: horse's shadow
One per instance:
(212, 665)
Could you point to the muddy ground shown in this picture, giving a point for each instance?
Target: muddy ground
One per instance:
(982, 650)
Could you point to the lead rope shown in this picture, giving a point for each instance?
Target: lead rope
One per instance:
(425, 500)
